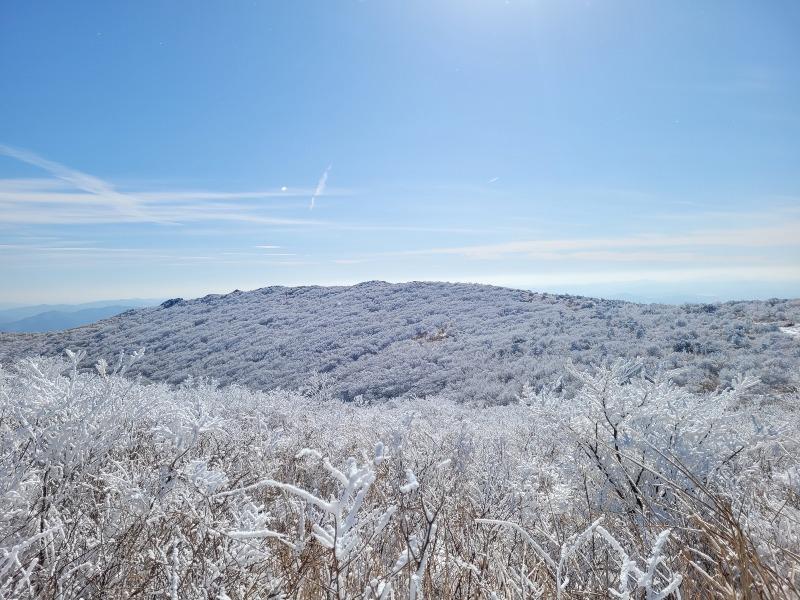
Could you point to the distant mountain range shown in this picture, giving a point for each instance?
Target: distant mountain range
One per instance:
(474, 342)
(54, 317)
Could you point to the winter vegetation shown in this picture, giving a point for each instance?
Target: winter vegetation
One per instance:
(400, 441)
(469, 342)
(624, 485)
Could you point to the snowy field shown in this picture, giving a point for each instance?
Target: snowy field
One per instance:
(792, 330)
(631, 488)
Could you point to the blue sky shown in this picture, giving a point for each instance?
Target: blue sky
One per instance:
(156, 149)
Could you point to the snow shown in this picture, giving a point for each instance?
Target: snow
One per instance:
(471, 342)
(622, 489)
(792, 330)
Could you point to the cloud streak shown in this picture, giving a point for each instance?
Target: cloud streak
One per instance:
(125, 204)
(787, 234)
(534, 279)
(91, 200)
(72, 197)
(320, 189)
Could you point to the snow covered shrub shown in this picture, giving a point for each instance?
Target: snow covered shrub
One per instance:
(629, 488)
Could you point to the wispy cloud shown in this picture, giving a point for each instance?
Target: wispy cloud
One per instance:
(124, 203)
(193, 195)
(766, 253)
(787, 234)
(60, 207)
(12, 212)
(24, 255)
(320, 189)
(74, 197)
(539, 279)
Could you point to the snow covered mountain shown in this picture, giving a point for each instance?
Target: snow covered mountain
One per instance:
(473, 342)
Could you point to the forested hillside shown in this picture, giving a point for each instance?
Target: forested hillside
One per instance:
(472, 342)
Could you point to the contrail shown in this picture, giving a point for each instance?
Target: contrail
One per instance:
(320, 189)
(88, 183)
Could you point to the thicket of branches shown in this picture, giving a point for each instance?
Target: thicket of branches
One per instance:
(634, 488)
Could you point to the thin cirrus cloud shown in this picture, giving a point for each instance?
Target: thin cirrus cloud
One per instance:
(766, 248)
(702, 274)
(320, 189)
(89, 254)
(48, 206)
(766, 253)
(125, 204)
(787, 234)
(72, 196)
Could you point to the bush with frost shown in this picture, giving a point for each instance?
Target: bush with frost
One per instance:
(630, 488)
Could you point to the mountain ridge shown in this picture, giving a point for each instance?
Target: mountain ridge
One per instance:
(55, 320)
(377, 339)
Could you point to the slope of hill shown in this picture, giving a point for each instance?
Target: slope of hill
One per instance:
(473, 342)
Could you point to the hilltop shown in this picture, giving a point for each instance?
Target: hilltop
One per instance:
(473, 342)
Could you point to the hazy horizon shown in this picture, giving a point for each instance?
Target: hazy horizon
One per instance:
(642, 292)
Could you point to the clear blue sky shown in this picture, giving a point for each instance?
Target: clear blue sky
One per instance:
(159, 149)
